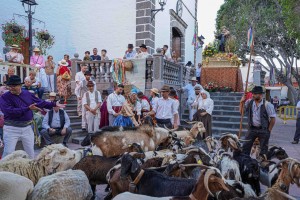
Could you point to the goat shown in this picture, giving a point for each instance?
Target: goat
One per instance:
(147, 181)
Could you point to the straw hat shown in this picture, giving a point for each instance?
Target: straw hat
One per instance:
(63, 63)
(14, 46)
(165, 88)
(90, 83)
(36, 49)
(193, 79)
(52, 94)
(154, 90)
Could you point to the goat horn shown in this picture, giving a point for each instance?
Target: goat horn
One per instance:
(208, 173)
(244, 140)
(291, 165)
(285, 194)
(161, 167)
(192, 122)
(171, 130)
(189, 147)
(281, 161)
(195, 165)
(192, 150)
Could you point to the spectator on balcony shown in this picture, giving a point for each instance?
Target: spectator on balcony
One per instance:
(79, 92)
(165, 52)
(63, 74)
(115, 102)
(145, 103)
(129, 53)
(87, 56)
(174, 97)
(56, 122)
(103, 55)
(143, 52)
(103, 110)
(204, 113)
(95, 55)
(67, 59)
(189, 88)
(49, 68)
(198, 73)
(174, 57)
(10, 71)
(154, 94)
(36, 83)
(13, 56)
(79, 77)
(92, 102)
(37, 61)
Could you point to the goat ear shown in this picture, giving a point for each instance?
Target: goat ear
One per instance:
(134, 166)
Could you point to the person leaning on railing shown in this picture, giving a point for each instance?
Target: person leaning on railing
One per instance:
(297, 132)
(13, 56)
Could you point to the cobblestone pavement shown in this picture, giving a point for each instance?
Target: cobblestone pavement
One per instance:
(282, 135)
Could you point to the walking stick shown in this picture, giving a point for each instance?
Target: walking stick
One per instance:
(246, 87)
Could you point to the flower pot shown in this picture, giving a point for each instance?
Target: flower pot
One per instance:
(45, 36)
(16, 29)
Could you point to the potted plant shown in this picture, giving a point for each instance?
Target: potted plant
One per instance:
(44, 40)
(12, 33)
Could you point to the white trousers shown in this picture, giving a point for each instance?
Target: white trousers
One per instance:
(83, 119)
(50, 79)
(79, 106)
(93, 121)
(12, 134)
(191, 112)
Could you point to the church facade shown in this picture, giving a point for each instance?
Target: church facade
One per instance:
(79, 26)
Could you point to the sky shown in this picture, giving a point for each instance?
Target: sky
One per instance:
(207, 14)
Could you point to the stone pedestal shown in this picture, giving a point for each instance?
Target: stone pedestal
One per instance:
(158, 63)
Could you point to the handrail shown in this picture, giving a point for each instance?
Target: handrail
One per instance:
(22, 70)
(15, 64)
(288, 113)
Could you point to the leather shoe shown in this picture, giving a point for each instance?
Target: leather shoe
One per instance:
(295, 142)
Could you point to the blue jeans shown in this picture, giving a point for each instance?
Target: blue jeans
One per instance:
(40, 92)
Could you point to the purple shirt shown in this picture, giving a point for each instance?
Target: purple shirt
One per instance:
(16, 107)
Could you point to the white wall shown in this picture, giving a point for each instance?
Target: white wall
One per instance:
(162, 24)
(79, 25)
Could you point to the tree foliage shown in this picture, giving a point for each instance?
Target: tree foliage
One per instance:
(276, 36)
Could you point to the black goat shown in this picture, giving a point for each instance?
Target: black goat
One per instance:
(249, 169)
(151, 180)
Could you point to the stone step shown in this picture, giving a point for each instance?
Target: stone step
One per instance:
(226, 112)
(75, 118)
(76, 125)
(228, 118)
(229, 103)
(78, 139)
(231, 125)
(226, 98)
(237, 94)
(71, 112)
(226, 107)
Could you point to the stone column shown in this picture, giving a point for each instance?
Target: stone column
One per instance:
(158, 64)
(74, 68)
(145, 29)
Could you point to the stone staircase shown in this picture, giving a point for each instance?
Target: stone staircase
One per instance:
(226, 115)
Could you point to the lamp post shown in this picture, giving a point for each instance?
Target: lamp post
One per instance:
(162, 3)
(28, 5)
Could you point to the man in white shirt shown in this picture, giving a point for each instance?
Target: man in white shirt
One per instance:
(79, 92)
(115, 102)
(145, 103)
(56, 122)
(198, 73)
(167, 56)
(92, 101)
(143, 52)
(79, 77)
(193, 101)
(165, 109)
(190, 93)
(297, 132)
(129, 53)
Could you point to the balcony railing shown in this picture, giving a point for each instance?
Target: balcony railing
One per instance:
(22, 70)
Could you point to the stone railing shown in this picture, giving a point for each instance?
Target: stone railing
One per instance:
(172, 73)
(22, 70)
(149, 73)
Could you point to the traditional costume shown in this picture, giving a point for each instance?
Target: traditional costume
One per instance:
(193, 101)
(64, 80)
(79, 77)
(205, 105)
(103, 111)
(114, 105)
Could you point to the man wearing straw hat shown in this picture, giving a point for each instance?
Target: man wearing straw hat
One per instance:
(13, 56)
(165, 109)
(261, 119)
(190, 93)
(17, 106)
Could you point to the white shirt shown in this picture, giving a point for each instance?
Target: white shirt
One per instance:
(18, 59)
(198, 71)
(142, 55)
(153, 101)
(190, 88)
(176, 107)
(165, 108)
(55, 120)
(145, 105)
(206, 104)
(93, 103)
(79, 88)
(194, 101)
(79, 77)
(138, 108)
(114, 100)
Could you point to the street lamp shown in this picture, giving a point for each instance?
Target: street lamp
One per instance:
(28, 9)
(162, 3)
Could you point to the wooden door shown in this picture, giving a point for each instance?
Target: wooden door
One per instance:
(176, 42)
(25, 51)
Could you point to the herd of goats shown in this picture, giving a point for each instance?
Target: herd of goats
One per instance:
(150, 162)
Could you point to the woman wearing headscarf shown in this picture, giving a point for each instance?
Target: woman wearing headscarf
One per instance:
(205, 108)
(63, 74)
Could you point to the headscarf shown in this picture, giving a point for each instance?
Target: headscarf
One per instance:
(207, 94)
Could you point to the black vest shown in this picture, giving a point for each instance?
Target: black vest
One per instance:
(61, 118)
(264, 117)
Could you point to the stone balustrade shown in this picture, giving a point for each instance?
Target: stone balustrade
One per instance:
(22, 70)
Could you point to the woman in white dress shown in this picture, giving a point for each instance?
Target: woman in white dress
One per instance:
(13, 56)
(205, 108)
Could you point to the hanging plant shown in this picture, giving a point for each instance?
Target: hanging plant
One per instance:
(12, 33)
(44, 40)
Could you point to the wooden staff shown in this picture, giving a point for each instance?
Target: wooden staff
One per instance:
(242, 114)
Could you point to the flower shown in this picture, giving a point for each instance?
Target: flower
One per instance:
(11, 37)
